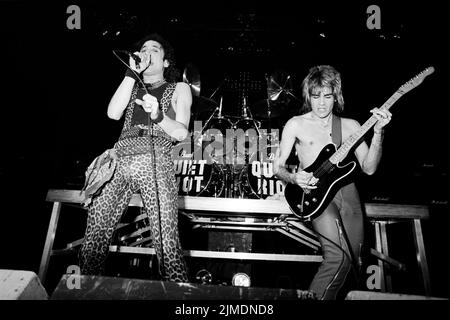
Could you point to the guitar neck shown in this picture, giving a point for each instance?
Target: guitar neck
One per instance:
(340, 154)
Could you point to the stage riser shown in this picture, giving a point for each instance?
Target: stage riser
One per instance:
(75, 287)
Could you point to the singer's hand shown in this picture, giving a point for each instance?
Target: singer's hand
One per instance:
(145, 62)
(150, 104)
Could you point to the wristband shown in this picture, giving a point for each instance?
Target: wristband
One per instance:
(159, 118)
(131, 74)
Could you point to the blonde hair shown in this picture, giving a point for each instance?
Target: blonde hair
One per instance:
(319, 77)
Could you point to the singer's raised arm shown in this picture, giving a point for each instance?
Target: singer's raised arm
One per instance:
(120, 99)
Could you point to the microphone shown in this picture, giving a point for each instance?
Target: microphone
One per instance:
(136, 58)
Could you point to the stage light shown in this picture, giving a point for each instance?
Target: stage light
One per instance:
(241, 279)
(204, 276)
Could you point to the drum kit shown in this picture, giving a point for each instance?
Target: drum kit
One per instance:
(235, 151)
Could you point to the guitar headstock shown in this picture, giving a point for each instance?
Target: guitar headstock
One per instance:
(414, 82)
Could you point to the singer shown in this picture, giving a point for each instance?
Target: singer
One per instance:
(155, 118)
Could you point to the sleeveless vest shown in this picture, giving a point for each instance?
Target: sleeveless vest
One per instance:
(138, 130)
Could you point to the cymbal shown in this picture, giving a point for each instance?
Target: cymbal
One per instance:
(191, 76)
(279, 83)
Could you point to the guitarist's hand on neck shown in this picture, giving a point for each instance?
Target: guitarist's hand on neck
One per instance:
(373, 156)
(383, 117)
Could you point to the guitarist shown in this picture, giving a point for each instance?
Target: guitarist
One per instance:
(340, 226)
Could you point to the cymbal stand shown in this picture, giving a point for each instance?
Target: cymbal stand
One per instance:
(269, 116)
(217, 89)
(253, 119)
(217, 109)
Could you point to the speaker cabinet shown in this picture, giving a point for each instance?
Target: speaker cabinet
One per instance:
(369, 295)
(21, 285)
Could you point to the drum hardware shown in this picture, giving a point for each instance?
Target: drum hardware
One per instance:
(217, 109)
(219, 86)
(198, 136)
(220, 124)
(246, 108)
(216, 183)
(245, 186)
(231, 178)
(249, 140)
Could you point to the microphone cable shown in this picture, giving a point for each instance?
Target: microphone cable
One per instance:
(350, 256)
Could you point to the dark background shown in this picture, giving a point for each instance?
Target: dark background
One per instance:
(56, 84)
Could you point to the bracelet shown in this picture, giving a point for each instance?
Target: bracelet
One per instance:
(378, 132)
(131, 74)
(159, 118)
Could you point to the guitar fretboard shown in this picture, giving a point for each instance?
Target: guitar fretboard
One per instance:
(340, 154)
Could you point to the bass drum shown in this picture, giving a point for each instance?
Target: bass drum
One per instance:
(221, 124)
(213, 139)
(256, 181)
(202, 180)
(194, 176)
(246, 144)
(248, 184)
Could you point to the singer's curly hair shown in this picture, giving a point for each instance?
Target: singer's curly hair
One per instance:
(317, 78)
(171, 73)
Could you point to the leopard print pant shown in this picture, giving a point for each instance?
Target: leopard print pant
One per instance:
(133, 173)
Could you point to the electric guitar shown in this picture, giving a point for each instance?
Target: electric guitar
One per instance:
(308, 204)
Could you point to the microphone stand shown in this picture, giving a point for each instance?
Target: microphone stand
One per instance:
(158, 206)
(152, 159)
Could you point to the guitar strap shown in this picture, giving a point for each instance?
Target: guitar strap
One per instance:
(336, 131)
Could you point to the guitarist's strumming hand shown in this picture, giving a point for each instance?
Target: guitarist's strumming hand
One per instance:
(383, 116)
(306, 180)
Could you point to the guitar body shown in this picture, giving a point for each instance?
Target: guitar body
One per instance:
(308, 204)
